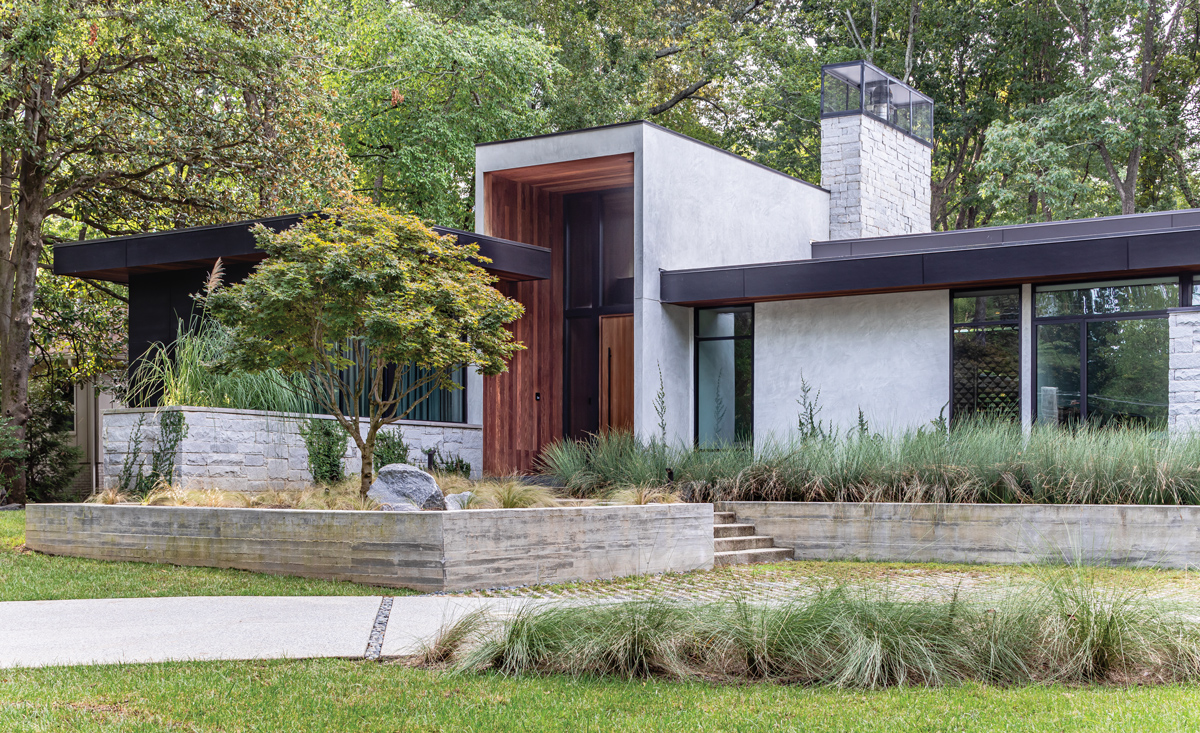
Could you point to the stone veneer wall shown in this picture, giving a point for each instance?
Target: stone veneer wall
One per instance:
(1184, 381)
(877, 176)
(251, 450)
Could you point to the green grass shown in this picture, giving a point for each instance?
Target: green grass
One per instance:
(352, 697)
(989, 462)
(26, 576)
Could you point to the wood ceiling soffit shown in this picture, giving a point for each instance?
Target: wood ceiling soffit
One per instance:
(589, 174)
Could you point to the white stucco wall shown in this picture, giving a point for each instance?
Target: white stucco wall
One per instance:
(888, 354)
(702, 207)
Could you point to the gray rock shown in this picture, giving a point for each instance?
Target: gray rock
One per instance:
(403, 506)
(16, 507)
(459, 501)
(401, 483)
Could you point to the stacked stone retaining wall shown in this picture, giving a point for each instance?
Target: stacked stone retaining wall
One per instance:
(252, 450)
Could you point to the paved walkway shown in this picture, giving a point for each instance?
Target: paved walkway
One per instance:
(128, 630)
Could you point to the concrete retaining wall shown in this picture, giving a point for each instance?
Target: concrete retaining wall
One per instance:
(252, 450)
(1163, 536)
(428, 551)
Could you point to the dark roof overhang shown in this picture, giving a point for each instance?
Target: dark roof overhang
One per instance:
(1086, 257)
(116, 258)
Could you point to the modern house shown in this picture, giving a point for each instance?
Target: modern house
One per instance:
(674, 288)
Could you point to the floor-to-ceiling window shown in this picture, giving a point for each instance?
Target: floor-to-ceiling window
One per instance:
(724, 376)
(1102, 349)
(986, 371)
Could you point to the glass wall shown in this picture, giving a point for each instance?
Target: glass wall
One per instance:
(860, 87)
(1102, 351)
(724, 376)
(987, 354)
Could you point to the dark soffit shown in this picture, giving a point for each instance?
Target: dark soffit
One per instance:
(115, 258)
(1075, 259)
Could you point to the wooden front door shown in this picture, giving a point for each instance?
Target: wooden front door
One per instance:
(616, 373)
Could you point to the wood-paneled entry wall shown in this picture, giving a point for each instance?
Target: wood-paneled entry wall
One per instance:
(616, 373)
(523, 408)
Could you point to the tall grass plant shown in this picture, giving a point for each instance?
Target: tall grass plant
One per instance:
(980, 462)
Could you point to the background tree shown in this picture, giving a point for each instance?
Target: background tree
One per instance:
(344, 296)
(415, 93)
(129, 115)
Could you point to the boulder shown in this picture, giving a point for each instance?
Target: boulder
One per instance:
(399, 484)
(459, 501)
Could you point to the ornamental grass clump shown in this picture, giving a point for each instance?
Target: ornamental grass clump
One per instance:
(982, 461)
(1064, 628)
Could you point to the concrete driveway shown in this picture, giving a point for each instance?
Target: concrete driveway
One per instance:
(129, 630)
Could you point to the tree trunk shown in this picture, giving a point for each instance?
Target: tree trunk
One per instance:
(367, 474)
(16, 359)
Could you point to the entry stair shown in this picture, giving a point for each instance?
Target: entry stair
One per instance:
(736, 544)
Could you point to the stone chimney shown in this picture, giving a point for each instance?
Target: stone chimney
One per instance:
(876, 148)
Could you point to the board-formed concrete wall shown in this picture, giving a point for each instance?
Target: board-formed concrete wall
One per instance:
(1158, 536)
(429, 551)
(251, 450)
(887, 354)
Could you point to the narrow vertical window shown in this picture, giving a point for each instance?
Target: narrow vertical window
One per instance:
(987, 354)
(724, 376)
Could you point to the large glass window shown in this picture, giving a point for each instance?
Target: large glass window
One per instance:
(987, 354)
(724, 376)
(1102, 351)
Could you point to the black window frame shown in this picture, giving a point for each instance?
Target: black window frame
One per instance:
(697, 339)
(978, 292)
(1185, 300)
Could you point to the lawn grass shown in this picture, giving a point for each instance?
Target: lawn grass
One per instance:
(29, 576)
(349, 696)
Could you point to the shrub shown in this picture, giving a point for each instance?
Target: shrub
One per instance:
(390, 448)
(12, 453)
(326, 444)
(51, 461)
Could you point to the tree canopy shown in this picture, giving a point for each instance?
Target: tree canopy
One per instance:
(346, 297)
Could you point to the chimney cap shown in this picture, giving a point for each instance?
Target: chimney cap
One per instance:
(861, 88)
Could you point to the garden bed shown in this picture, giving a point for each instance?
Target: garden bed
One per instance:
(429, 551)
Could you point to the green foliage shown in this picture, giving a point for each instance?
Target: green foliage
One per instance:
(164, 456)
(185, 373)
(1061, 628)
(415, 93)
(974, 462)
(343, 296)
(455, 465)
(51, 461)
(326, 444)
(390, 448)
(12, 453)
(660, 406)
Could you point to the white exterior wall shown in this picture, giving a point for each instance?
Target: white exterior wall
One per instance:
(702, 207)
(878, 178)
(888, 354)
(694, 206)
(252, 450)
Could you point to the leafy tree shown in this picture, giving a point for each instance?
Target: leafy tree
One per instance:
(343, 296)
(51, 461)
(415, 93)
(127, 115)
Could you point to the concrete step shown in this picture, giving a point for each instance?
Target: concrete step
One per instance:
(732, 530)
(741, 557)
(724, 518)
(753, 542)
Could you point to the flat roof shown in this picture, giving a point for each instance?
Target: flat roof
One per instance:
(669, 131)
(1160, 243)
(115, 258)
